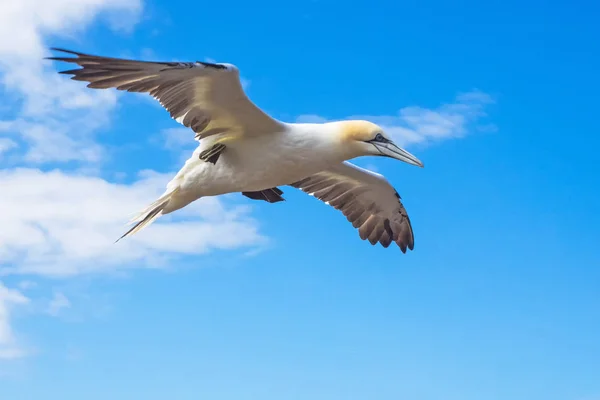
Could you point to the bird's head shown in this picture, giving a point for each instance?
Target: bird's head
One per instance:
(364, 138)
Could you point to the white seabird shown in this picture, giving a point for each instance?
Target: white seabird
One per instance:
(242, 149)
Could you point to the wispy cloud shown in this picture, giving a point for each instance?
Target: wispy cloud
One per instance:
(177, 141)
(9, 346)
(177, 138)
(311, 119)
(26, 285)
(43, 118)
(6, 145)
(57, 228)
(416, 124)
(56, 118)
(58, 303)
(63, 223)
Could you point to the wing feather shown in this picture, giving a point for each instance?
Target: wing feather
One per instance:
(206, 97)
(367, 200)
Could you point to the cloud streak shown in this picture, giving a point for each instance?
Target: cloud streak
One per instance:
(56, 228)
(55, 118)
(419, 125)
(63, 223)
(9, 298)
(58, 303)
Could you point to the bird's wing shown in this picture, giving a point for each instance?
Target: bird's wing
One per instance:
(367, 200)
(206, 97)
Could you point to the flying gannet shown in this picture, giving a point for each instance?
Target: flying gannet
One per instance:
(242, 149)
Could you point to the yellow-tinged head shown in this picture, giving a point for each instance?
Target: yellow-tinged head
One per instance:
(364, 138)
(358, 130)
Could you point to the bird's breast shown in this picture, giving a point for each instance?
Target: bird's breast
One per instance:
(269, 163)
(260, 163)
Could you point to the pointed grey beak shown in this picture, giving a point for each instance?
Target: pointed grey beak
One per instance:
(389, 149)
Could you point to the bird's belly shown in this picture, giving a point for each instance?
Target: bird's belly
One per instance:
(259, 173)
(273, 175)
(254, 167)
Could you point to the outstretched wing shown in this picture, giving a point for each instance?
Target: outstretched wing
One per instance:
(206, 97)
(367, 200)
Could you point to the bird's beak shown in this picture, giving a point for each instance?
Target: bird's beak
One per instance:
(389, 149)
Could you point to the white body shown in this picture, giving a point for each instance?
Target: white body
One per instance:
(254, 163)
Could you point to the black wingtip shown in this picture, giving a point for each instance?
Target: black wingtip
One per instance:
(65, 59)
(70, 71)
(75, 53)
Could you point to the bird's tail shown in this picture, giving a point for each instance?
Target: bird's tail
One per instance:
(149, 214)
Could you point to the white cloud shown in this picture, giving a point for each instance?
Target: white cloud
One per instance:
(372, 167)
(33, 19)
(311, 119)
(422, 125)
(58, 303)
(52, 140)
(178, 141)
(54, 116)
(6, 145)
(245, 83)
(44, 117)
(9, 347)
(178, 138)
(26, 285)
(65, 224)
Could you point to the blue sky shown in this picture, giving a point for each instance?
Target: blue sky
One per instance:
(234, 299)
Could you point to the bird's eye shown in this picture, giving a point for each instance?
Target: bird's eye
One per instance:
(379, 137)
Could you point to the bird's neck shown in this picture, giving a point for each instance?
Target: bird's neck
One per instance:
(321, 139)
